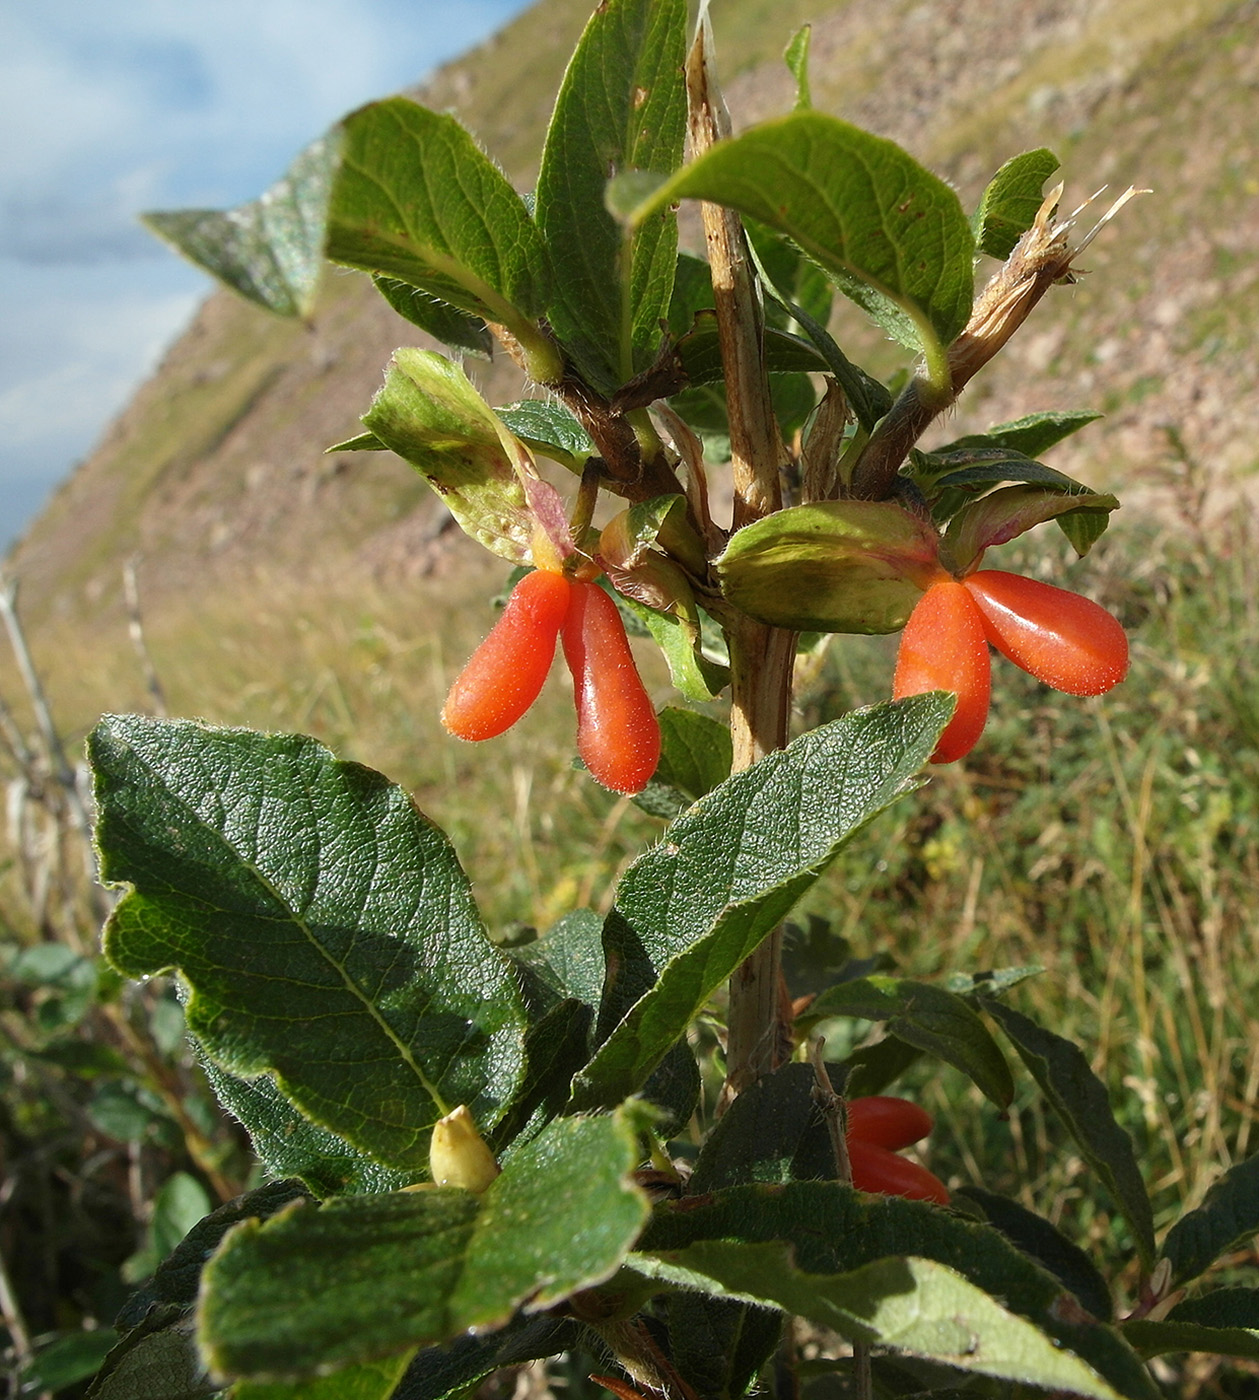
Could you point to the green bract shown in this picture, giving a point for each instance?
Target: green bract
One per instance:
(837, 566)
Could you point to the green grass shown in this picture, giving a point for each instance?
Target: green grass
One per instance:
(1113, 842)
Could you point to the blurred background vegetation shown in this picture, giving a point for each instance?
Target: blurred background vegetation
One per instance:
(1112, 842)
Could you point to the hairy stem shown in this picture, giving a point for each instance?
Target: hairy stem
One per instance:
(761, 657)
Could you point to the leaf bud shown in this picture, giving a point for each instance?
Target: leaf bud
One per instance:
(458, 1156)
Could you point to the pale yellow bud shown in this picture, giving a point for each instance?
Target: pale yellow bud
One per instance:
(457, 1154)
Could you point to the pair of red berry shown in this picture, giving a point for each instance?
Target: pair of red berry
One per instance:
(618, 735)
(1065, 640)
(878, 1127)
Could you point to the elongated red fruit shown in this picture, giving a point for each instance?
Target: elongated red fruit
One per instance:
(943, 648)
(876, 1169)
(1069, 642)
(887, 1121)
(618, 735)
(505, 673)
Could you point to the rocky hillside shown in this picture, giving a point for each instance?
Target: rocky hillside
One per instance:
(215, 476)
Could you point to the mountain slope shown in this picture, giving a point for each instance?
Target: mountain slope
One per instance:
(215, 474)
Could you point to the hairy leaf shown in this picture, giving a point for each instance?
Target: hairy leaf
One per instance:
(288, 1144)
(622, 107)
(429, 413)
(1042, 1241)
(834, 1230)
(324, 926)
(927, 1017)
(445, 323)
(891, 234)
(364, 1277)
(1031, 435)
(438, 1372)
(416, 199)
(1005, 514)
(374, 1380)
(1011, 202)
(730, 868)
(156, 1361)
(549, 429)
(1228, 1214)
(834, 566)
(271, 250)
(913, 1305)
(1080, 1100)
(1158, 1338)
(773, 1132)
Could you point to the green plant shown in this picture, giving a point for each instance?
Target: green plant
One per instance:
(350, 1007)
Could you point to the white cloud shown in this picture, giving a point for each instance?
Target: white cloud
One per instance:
(111, 108)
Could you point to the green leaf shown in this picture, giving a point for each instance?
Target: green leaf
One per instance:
(622, 107)
(1080, 1100)
(692, 293)
(679, 639)
(374, 1380)
(814, 956)
(173, 1287)
(158, 1361)
(360, 442)
(1032, 435)
(796, 56)
(1042, 1241)
(429, 413)
(1011, 202)
(969, 471)
(324, 926)
(730, 868)
(835, 566)
(1005, 514)
(71, 1357)
(913, 1305)
(834, 1230)
(873, 1067)
(269, 251)
(927, 1017)
(989, 983)
(1158, 1338)
(288, 1144)
(438, 1372)
(696, 751)
(1228, 1214)
(1221, 1307)
(792, 277)
(556, 1047)
(892, 235)
(364, 1277)
(699, 352)
(719, 1346)
(773, 1132)
(793, 295)
(416, 199)
(549, 429)
(1083, 528)
(445, 323)
(180, 1202)
(569, 957)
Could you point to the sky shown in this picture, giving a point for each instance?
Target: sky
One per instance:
(110, 107)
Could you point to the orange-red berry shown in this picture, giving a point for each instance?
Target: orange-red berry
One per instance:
(1067, 641)
(943, 647)
(876, 1169)
(506, 672)
(618, 735)
(887, 1121)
